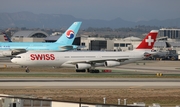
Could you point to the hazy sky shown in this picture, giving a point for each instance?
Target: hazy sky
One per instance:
(131, 10)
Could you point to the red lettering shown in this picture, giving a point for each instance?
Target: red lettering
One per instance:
(39, 56)
(32, 57)
(42, 57)
(52, 57)
(47, 57)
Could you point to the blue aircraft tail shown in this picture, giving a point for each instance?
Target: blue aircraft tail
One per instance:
(68, 37)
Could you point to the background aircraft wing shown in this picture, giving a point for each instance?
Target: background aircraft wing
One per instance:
(18, 51)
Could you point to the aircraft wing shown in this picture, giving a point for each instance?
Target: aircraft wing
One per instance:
(96, 61)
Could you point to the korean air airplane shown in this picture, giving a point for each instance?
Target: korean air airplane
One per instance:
(87, 61)
(64, 43)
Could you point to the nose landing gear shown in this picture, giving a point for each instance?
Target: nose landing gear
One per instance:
(27, 70)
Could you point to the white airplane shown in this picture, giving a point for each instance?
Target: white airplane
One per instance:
(83, 61)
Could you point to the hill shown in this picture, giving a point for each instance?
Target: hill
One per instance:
(31, 20)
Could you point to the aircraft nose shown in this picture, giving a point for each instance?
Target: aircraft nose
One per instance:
(13, 60)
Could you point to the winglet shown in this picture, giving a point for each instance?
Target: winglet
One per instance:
(149, 40)
(68, 37)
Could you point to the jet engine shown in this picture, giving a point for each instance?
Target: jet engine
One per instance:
(111, 63)
(82, 66)
(6, 53)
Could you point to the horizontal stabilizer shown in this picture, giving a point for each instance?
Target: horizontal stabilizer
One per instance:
(65, 48)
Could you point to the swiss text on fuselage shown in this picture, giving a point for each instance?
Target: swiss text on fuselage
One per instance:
(42, 57)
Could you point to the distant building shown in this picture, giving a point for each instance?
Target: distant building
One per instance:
(128, 43)
(94, 43)
(170, 33)
(29, 36)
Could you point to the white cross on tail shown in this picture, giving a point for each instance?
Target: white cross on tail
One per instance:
(149, 40)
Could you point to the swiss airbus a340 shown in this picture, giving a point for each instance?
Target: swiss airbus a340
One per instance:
(64, 43)
(83, 61)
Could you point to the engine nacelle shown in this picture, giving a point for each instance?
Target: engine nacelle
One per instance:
(80, 66)
(6, 53)
(111, 63)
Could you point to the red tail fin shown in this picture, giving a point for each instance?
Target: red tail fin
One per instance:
(149, 40)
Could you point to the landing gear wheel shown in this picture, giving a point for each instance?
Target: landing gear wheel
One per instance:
(88, 70)
(83, 70)
(27, 70)
(94, 71)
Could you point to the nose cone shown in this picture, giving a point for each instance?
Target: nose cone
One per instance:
(13, 60)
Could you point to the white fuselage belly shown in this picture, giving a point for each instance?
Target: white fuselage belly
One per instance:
(64, 59)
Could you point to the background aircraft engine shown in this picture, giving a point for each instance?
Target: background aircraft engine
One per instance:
(111, 63)
(82, 66)
(6, 53)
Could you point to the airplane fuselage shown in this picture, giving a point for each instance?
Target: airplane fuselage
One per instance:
(31, 46)
(67, 59)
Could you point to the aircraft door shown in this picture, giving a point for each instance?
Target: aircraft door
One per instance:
(27, 58)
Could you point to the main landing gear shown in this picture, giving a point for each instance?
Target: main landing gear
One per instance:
(93, 70)
(89, 70)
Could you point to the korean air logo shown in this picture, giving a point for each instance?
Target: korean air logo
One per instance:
(70, 34)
